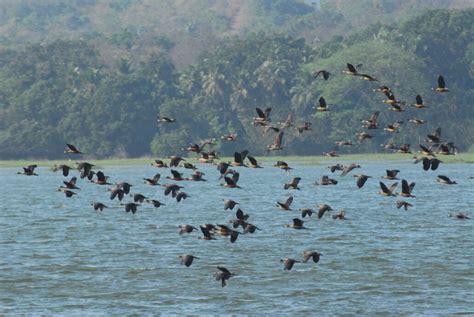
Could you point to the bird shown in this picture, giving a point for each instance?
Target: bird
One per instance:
(131, 207)
(71, 149)
(263, 117)
(428, 163)
(288, 263)
(116, 192)
(322, 105)
(347, 169)
(229, 204)
(153, 181)
(159, 163)
(391, 174)
(181, 196)
(445, 180)
(315, 255)
(337, 167)
(99, 206)
(231, 182)
(206, 233)
(175, 160)
(231, 137)
(419, 102)
(294, 183)
(441, 85)
(63, 167)
(407, 189)
(403, 204)
(175, 176)
(341, 215)
(186, 229)
(325, 180)
(69, 193)
(155, 203)
(138, 198)
(322, 210)
(371, 123)
(434, 137)
(239, 158)
(253, 162)
(322, 72)
(172, 189)
(367, 77)
(387, 191)
(223, 275)
(351, 69)
(361, 179)
(101, 179)
(71, 184)
(297, 224)
(85, 168)
(29, 170)
(306, 212)
(277, 144)
(187, 259)
(166, 120)
(283, 165)
(459, 216)
(417, 121)
(285, 205)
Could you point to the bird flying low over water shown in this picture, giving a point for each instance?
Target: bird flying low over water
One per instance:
(187, 259)
(387, 191)
(223, 275)
(288, 263)
(441, 85)
(29, 170)
(285, 205)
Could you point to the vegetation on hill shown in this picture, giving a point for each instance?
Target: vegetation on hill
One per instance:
(62, 91)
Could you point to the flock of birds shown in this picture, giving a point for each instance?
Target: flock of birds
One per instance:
(228, 172)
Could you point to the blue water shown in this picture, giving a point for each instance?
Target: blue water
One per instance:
(58, 256)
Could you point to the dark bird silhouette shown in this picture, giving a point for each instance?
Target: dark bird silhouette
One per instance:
(253, 162)
(441, 85)
(445, 180)
(322, 105)
(71, 149)
(418, 102)
(69, 193)
(166, 120)
(391, 174)
(175, 176)
(155, 203)
(206, 233)
(322, 72)
(101, 179)
(85, 168)
(428, 163)
(387, 191)
(131, 207)
(325, 180)
(459, 216)
(223, 275)
(283, 165)
(322, 210)
(186, 229)
(187, 259)
(71, 184)
(153, 181)
(64, 169)
(172, 189)
(352, 70)
(285, 205)
(315, 255)
(263, 117)
(403, 204)
(341, 215)
(116, 192)
(306, 212)
(99, 206)
(239, 158)
(229, 204)
(297, 224)
(175, 160)
(294, 183)
(29, 170)
(159, 163)
(361, 179)
(277, 145)
(288, 263)
(407, 189)
(347, 169)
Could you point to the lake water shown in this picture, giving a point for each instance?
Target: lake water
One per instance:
(58, 256)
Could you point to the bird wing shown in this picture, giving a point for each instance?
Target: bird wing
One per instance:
(351, 68)
(224, 270)
(441, 83)
(405, 188)
(392, 187)
(229, 181)
(252, 160)
(176, 174)
(419, 100)
(444, 178)
(260, 113)
(384, 188)
(322, 102)
(279, 139)
(237, 157)
(240, 214)
(297, 222)
(289, 201)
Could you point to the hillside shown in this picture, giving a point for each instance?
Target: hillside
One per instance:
(64, 91)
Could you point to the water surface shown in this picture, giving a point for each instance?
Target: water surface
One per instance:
(58, 256)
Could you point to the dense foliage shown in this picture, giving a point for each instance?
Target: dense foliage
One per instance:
(68, 92)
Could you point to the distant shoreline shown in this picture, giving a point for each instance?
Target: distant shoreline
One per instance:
(306, 160)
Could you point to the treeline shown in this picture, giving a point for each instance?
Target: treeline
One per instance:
(65, 92)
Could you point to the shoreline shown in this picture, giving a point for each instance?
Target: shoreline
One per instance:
(305, 160)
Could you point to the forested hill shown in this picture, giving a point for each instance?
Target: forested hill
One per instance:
(65, 91)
